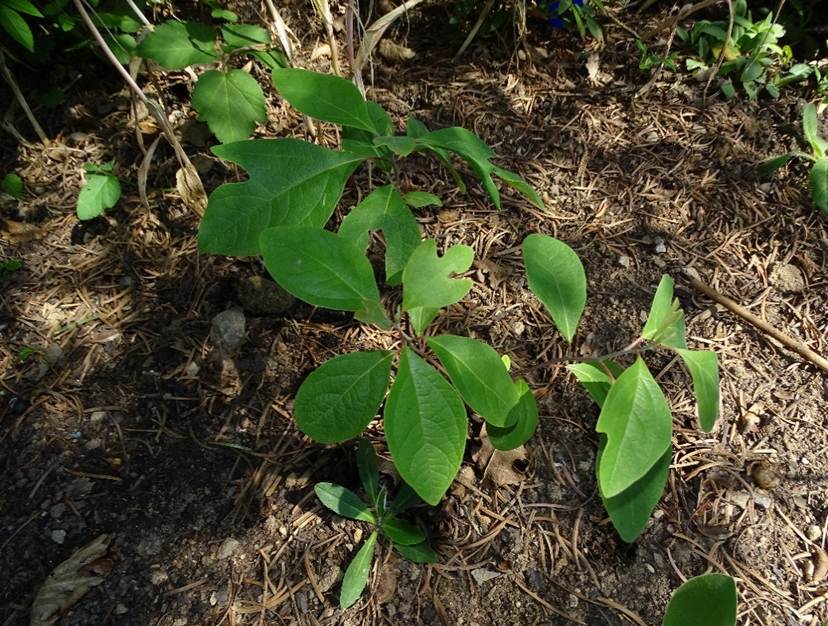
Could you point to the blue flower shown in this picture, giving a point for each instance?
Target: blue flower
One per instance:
(556, 22)
(552, 8)
(578, 3)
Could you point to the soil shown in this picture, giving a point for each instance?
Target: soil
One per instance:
(129, 421)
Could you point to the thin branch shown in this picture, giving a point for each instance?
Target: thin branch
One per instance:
(21, 99)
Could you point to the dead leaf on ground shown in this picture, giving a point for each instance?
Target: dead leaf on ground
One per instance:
(387, 584)
(323, 50)
(499, 466)
(18, 232)
(393, 51)
(70, 581)
(188, 184)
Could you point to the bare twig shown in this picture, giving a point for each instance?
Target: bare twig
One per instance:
(722, 52)
(323, 10)
(21, 99)
(282, 30)
(473, 33)
(789, 342)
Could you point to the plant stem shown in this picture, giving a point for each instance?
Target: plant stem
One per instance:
(21, 99)
(637, 346)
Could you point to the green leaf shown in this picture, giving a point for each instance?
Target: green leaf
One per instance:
(325, 97)
(322, 268)
(637, 422)
(818, 182)
(230, 102)
(556, 276)
(246, 35)
(343, 502)
(704, 370)
(14, 24)
(810, 126)
(709, 599)
(401, 532)
(767, 168)
(399, 145)
(23, 6)
(405, 499)
(518, 184)
(420, 199)
(425, 426)
(427, 282)
(340, 397)
(476, 371)
(101, 192)
(367, 457)
(420, 553)
(415, 128)
(123, 46)
(524, 420)
(12, 184)
(665, 323)
(384, 209)
(356, 576)
(597, 378)
(292, 182)
(224, 14)
(630, 510)
(175, 45)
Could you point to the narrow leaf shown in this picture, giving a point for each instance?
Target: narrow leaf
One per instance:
(230, 102)
(420, 553)
(341, 397)
(476, 371)
(343, 502)
(367, 464)
(767, 168)
(637, 421)
(524, 420)
(401, 532)
(818, 182)
(420, 199)
(704, 370)
(15, 25)
(405, 499)
(325, 97)
(556, 276)
(810, 126)
(665, 323)
(356, 576)
(425, 426)
(709, 599)
(518, 184)
(292, 182)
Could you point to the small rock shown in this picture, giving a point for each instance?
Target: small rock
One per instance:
(159, 577)
(260, 296)
(57, 510)
(120, 609)
(93, 444)
(814, 532)
(53, 354)
(482, 575)
(763, 501)
(228, 548)
(787, 278)
(660, 248)
(624, 260)
(740, 499)
(329, 578)
(227, 331)
(765, 475)
(58, 536)
(192, 369)
(518, 327)
(97, 417)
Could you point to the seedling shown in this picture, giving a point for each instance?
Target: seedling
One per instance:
(818, 177)
(9, 267)
(382, 515)
(101, 191)
(651, 60)
(12, 185)
(708, 600)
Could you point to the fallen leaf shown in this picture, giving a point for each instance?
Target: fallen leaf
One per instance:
(593, 66)
(18, 232)
(189, 187)
(387, 584)
(323, 50)
(499, 466)
(395, 52)
(820, 559)
(70, 581)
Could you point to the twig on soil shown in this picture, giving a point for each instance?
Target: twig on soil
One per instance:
(21, 100)
(789, 342)
(473, 33)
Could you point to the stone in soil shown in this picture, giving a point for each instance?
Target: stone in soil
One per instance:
(787, 278)
(227, 331)
(260, 296)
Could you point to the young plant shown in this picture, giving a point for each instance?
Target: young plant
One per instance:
(818, 177)
(580, 12)
(230, 101)
(651, 60)
(101, 191)
(12, 185)
(708, 600)
(13, 22)
(635, 424)
(382, 515)
(751, 55)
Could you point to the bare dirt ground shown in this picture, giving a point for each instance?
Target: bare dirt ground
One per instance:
(126, 421)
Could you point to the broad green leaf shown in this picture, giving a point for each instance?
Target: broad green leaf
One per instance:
(518, 184)
(810, 126)
(425, 426)
(704, 370)
(14, 24)
(325, 97)
(428, 284)
(322, 268)
(818, 182)
(367, 463)
(556, 276)
(356, 576)
(630, 510)
(340, 397)
(709, 600)
(637, 422)
(420, 553)
(420, 199)
(476, 371)
(384, 209)
(123, 46)
(344, 502)
(415, 128)
(292, 182)
(230, 102)
(524, 420)
(399, 145)
(665, 323)
(101, 192)
(766, 168)
(224, 14)
(401, 532)
(175, 45)
(597, 378)
(12, 184)
(245, 35)
(405, 499)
